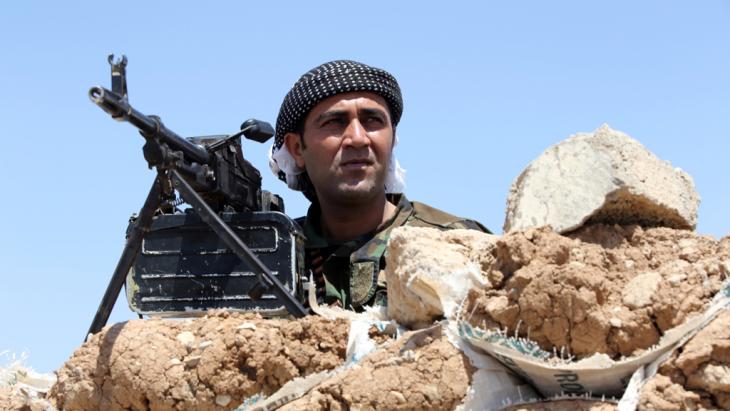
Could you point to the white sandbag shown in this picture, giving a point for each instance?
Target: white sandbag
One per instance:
(493, 385)
(598, 375)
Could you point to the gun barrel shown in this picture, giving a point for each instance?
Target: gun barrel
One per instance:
(150, 127)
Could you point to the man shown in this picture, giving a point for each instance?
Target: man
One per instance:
(335, 135)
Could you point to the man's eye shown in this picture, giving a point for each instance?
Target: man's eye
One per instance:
(333, 122)
(374, 120)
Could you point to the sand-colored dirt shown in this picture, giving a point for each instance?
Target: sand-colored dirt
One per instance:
(601, 289)
(160, 365)
(609, 289)
(697, 376)
(210, 363)
(420, 371)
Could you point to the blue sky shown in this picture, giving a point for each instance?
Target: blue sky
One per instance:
(487, 87)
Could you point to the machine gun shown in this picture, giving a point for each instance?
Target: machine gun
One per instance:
(178, 261)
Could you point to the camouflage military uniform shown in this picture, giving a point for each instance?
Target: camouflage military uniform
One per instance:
(351, 274)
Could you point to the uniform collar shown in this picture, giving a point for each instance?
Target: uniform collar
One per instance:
(315, 239)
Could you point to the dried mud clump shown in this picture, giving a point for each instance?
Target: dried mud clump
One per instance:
(564, 405)
(420, 371)
(697, 376)
(601, 289)
(211, 363)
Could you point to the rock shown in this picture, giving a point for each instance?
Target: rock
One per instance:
(187, 339)
(639, 291)
(429, 271)
(223, 400)
(601, 177)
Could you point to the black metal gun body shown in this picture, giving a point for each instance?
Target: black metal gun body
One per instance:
(150, 127)
(212, 176)
(219, 173)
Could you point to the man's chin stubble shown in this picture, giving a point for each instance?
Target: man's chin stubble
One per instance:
(356, 195)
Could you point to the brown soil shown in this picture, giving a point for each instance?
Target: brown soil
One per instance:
(697, 376)
(564, 405)
(601, 289)
(211, 363)
(420, 371)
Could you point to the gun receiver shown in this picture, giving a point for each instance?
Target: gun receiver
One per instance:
(212, 176)
(218, 172)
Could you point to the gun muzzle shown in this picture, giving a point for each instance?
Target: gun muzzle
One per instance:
(151, 127)
(108, 101)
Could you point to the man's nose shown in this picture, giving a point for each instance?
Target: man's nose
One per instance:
(355, 134)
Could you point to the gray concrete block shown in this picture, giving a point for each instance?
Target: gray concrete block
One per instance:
(601, 177)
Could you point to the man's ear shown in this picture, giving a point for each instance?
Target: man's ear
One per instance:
(293, 142)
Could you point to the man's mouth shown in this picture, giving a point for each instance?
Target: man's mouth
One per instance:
(357, 163)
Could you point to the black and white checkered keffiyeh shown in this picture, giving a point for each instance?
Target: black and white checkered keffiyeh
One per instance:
(326, 80)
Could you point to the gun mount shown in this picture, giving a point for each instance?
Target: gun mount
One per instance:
(177, 261)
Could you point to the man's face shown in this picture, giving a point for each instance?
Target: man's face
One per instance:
(348, 141)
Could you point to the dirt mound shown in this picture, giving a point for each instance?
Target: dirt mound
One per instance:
(564, 405)
(421, 371)
(210, 363)
(601, 289)
(697, 376)
(217, 362)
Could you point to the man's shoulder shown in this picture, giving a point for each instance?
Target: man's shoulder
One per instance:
(425, 215)
(301, 221)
